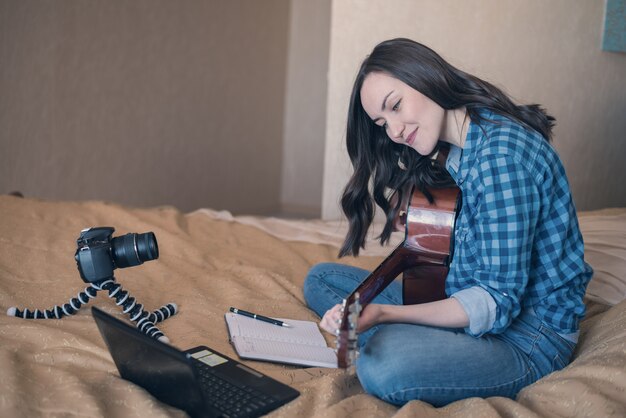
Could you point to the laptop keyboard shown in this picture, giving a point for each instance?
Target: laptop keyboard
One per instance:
(234, 401)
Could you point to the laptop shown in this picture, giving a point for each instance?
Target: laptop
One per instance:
(201, 381)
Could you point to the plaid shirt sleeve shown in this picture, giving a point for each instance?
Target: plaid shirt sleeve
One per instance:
(507, 203)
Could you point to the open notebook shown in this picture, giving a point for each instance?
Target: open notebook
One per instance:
(302, 343)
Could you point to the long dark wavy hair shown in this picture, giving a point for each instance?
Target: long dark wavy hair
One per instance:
(385, 171)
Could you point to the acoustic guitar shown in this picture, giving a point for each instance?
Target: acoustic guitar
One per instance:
(423, 257)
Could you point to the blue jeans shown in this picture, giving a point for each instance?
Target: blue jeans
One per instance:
(402, 362)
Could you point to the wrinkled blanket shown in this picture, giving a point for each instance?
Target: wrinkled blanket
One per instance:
(210, 261)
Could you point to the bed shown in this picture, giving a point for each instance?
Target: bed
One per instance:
(210, 260)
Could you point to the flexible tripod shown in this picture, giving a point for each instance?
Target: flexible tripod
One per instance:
(145, 321)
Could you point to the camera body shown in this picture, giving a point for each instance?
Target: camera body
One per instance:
(98, 253)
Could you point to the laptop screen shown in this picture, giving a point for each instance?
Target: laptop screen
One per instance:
(162, 370)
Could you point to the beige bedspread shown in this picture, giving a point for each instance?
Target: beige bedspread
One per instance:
(210, 261)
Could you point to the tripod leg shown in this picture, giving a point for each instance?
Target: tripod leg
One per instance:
(163, 313)
(133, 309)
(58, 311)
(145, 321)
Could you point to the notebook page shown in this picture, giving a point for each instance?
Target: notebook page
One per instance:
(300, 332)
(282, 352)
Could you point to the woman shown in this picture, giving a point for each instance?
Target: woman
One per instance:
(517, 277)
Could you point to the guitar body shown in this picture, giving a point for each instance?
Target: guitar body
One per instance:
(423, 257)
(429, 232)
(424, 284)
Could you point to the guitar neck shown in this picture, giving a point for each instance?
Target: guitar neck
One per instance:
(398, 261)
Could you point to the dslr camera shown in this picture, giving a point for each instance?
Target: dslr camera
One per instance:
(98, 254)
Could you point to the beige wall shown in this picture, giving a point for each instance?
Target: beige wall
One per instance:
(241, 104)
(305, 108)
(539, 51)
(144, 102)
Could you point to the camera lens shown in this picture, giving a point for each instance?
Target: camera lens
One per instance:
(133, 249)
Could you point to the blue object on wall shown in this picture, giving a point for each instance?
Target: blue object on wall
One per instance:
(614, 36)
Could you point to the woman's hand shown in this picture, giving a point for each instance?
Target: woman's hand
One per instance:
(332, 319)
(370, 316)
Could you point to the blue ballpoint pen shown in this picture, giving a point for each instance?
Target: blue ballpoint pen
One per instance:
(259, 317)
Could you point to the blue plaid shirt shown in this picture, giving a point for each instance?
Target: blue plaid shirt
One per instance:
(518, 246)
